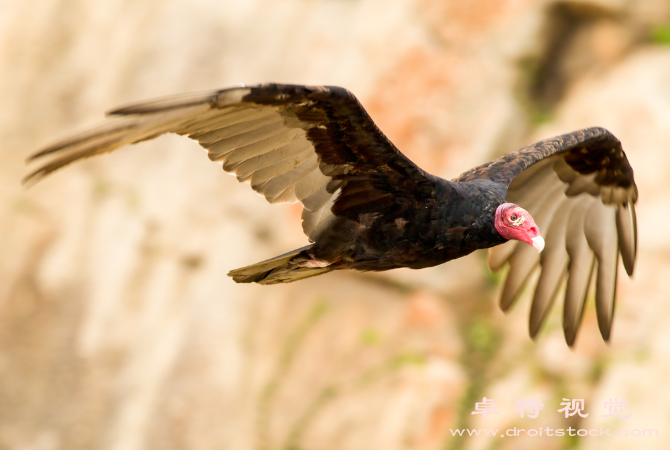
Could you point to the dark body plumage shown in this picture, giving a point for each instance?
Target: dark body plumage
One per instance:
(453, 221)
(368, 207)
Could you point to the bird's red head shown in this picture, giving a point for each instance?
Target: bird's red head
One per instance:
(514, 222)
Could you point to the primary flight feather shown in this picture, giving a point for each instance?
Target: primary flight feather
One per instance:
(368, 207)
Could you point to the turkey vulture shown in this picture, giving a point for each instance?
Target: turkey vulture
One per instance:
(366, 206)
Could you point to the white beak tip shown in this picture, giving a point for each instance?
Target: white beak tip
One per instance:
(538, 243)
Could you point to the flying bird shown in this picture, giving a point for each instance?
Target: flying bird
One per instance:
(366, 206)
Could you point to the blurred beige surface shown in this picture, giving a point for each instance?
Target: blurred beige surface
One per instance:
(118, 326)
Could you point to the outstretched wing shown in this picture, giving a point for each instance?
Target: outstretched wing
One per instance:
(313, 144)
(579, 188)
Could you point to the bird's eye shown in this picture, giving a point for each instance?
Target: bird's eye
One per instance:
(513, 217)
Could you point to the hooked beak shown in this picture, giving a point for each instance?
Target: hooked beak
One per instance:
(538, 243)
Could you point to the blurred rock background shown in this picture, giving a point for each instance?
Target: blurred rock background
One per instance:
(119, 329)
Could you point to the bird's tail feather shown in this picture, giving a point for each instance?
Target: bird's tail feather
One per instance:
(280, 269)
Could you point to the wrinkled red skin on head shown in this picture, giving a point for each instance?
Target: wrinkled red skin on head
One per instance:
(524, 232)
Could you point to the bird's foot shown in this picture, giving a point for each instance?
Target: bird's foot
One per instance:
(310, 263)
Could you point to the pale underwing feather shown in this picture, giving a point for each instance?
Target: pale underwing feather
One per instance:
(575, 301)
(317, 199)
(581, 184)
(627, 235)
(541, 180)
(565, 173)
(256, 125)
(234, 155)
(499, 255)
(218, 99)
(247, 167)
(285, 196)
(529, 177)
(248, 137)
(208, 120)
(310, 184)
(269, 173)
(522, 262)
(123, 131)
(314, 222)
(601, 234)
(553, 262)
(580, 267)
(279, 184)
